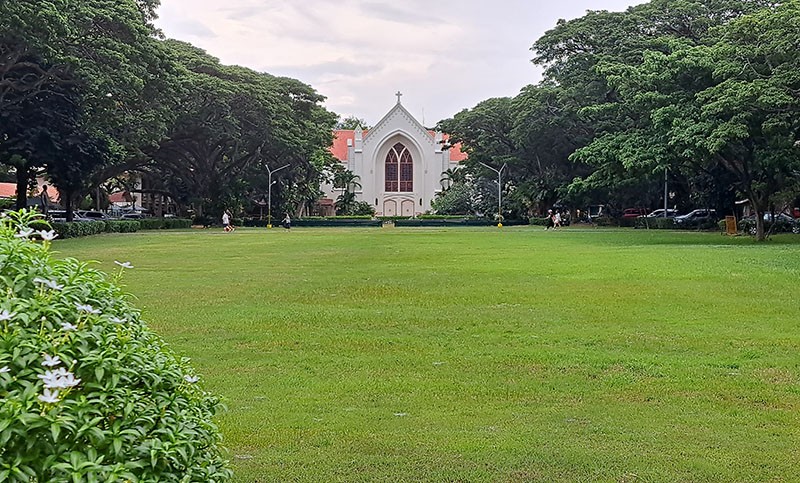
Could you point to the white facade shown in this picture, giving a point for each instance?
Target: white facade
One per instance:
(385, 149)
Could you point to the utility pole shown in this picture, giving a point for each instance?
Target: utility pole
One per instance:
(269, 193)
(499, 192)
(666, 192)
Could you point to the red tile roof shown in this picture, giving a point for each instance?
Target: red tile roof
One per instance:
(9, 190)
(120, 197)
(339, 148)
(456, 154)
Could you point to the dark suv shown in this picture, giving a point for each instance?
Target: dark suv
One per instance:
(781, 223)
(697, 218)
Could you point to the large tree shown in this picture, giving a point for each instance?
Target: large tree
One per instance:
(106, 50)
(723, 107)
(585, 58)
(233, 125)
(485, 133)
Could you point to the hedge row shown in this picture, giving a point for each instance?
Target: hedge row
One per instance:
(85, 228)
(165, 223)
(669, 224)
(536, 221)
(322, 222)
(655, 223)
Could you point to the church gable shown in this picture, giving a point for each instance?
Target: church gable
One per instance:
(399, 119)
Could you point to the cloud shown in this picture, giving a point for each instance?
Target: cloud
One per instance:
(187, 29)
(340, 68)
(392, 13)
(445, 56)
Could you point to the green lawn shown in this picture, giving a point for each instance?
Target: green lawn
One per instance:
(483, 354)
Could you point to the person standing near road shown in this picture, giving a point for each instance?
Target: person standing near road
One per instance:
(549, 220)
(231, 226)
(226, 221)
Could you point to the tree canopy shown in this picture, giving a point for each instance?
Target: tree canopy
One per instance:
(202, 132)
(704, 90)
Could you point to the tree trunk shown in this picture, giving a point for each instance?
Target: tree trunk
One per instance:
(23, 176)
(759, 214)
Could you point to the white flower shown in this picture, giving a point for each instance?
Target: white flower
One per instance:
(51, 361)
(50, 283)
(59, 379)
(50, 379)
(6, 315)
(68, 381)
(24, 233)
(117, 320)
(191, 379)
(49, 397)
(48, 235)
(124, 264)
(4, 370)
(87, 308)
(60, 372)
(66, 326)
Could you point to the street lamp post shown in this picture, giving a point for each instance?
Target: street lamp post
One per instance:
(269, 193)
(666, 192)
(499, 191)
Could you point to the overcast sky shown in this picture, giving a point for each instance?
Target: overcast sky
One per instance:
(443, 56)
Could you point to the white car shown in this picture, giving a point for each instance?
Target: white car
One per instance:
(92, 215)
(660, 213)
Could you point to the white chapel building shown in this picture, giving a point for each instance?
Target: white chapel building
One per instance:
(399, 163)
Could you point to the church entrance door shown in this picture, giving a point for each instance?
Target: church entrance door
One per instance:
(408, 208)
(390, 208)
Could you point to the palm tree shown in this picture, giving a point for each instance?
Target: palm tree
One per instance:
(452, 176)
(348, 182)
(344, 203)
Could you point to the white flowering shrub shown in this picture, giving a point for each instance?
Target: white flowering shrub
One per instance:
(87, 392)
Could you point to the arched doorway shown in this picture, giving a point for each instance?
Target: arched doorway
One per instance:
(390, 208)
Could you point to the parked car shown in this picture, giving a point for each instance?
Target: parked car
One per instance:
(697, 217)
(60, 216)
(93, 215)
(782, 223)
(57, 215)
(633, 212)
(659, 213)
(597, 211)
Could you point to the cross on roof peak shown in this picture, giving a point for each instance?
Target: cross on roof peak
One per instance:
(399, 95)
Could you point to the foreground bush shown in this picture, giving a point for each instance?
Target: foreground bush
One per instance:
(87, 391)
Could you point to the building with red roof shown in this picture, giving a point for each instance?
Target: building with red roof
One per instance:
(399, 163)
(51, 196)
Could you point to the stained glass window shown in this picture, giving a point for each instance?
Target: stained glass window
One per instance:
(399, 170)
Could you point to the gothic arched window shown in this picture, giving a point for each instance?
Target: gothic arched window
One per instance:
(399, 170)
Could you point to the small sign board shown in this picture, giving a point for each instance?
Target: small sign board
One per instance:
(730, 225)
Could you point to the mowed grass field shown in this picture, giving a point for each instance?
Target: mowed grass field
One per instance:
(482, 354)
